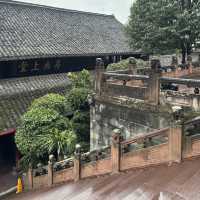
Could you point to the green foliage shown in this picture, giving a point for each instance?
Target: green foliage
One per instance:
(45, 129)
(39, 127)
(81, 79)
(123, 65)
(157, 26)
(77, 102)
(61, 142)
(81, 125)
(76, 99)
(51, 101)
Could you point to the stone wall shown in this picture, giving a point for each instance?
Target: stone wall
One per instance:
(106, 116)
(145, 157)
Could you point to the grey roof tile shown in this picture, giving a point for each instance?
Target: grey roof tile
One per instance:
(16, 95)
(32, 31)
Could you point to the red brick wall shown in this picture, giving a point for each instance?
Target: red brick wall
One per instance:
(40, 181)
(96, 168)
(194, 149)
(63, 176)
(141, 158)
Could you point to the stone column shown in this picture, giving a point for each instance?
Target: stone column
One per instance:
(154, 82)
(132, 66)
(115, 151)
(99, 75)
(50, 170)
(77, 163)
(30, 177)
(189, 62)
(175, 144)
(175, 65)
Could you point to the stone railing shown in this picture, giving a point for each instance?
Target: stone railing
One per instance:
(128, 84)
(187, 95)
(191, 140)
(80, 166)
(154, 148)
(124, 83)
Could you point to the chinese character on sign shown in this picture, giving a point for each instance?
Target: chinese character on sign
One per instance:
(47, 66)
(35, 68)
(57, 65)
(23, 67)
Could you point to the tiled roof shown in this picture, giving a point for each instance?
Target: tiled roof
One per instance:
(34, 31)
(17, 94)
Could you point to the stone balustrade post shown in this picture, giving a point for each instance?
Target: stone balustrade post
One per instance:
(99, 75)
(77, 163)
(50, 170)
(132, 66)
(115, 151)
(30, 177)
(175, 144)
(175, 65)
(154, 82)
(189, 62)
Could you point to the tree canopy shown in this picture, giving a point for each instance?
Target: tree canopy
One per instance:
(37, 135)
(46, 127)
(162, 26)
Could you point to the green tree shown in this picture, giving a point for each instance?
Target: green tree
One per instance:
(43, 130)
(76, 102)
(157, 26)
(76, 99)
(81, 126)
(50, 101)
(80, 79)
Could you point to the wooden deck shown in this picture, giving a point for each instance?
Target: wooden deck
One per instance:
(180, 181)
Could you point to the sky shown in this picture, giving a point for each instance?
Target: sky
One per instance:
(120, 8)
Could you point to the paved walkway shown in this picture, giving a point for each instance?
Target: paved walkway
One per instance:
(7, 178)
(178, 182)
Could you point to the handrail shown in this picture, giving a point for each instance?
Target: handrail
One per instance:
(119, 71)
(125, 76)
(145, 136)
(184, 81)
(64, 161)
(96, 151)
(193, 121)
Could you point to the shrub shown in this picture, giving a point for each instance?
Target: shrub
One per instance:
(81, 79)
(51, 101)
(38, 127)
(76, 99)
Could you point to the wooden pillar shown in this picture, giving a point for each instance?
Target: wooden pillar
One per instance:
(175, 144)
(30, 177)
(99, 75)
(50, 170)
(77, 164)
(115, 151)
(154, 82)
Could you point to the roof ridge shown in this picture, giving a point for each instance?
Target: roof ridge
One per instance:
(53, 8)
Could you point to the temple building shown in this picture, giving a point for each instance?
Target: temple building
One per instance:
(39, 44)
(38, 39)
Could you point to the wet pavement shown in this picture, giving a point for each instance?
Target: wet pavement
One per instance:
(180, 181)
(8, 178)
